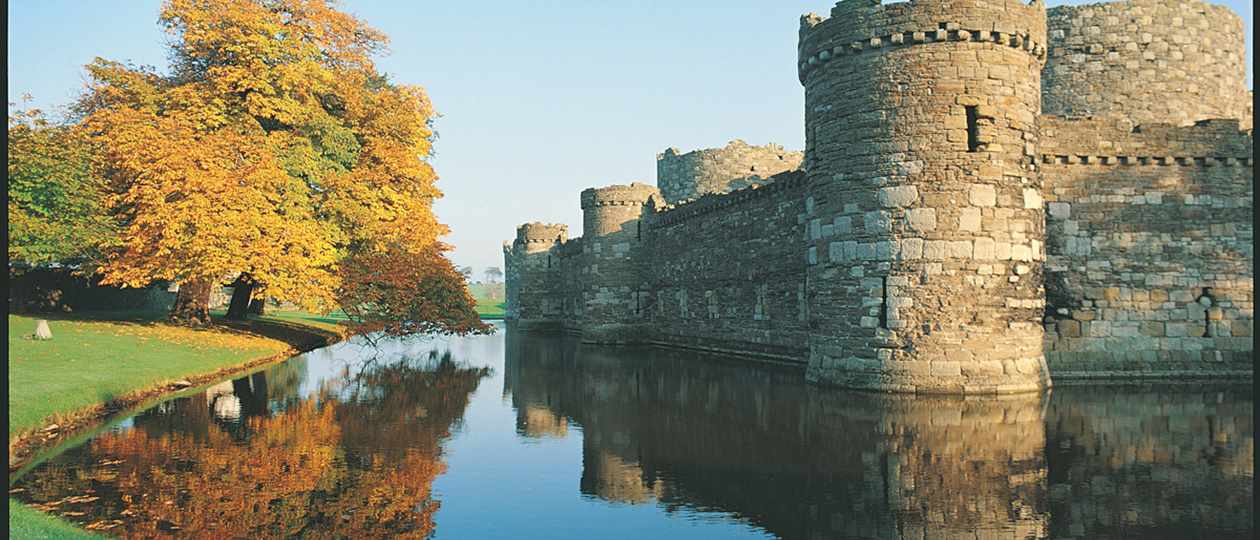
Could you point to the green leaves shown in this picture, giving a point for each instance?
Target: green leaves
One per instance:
(56, 206)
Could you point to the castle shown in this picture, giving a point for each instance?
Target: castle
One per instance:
(992, 196)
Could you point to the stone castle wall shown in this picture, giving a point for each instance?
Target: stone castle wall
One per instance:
(942, 234)
(719, 170)
(727, 272)
(1150, 257)
(1167, 61)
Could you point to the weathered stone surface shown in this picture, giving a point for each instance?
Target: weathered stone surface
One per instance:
(938, 233)
(720, 170)
(1152, 61)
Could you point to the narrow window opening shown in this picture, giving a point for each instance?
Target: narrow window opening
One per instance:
(549, 261)
(1207, 323)
(1206, 301)
(973, 130)
(638, 230)
(883, 305)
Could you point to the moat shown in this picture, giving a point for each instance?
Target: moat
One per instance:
(531, 436)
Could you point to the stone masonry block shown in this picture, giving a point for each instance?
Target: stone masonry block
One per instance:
(844, 225)
(983, 249)
(898, 196)
(1032, 198)
(911, 249)
(983, 195)
(921, 219)
(969, 219)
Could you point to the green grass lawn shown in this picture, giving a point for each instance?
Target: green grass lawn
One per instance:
(490, 299)
(91, 361)
(327, 322)
(29, 524)
(314, 319)
(96, 356)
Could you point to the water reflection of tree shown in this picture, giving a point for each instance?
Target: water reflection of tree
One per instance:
(339, 465)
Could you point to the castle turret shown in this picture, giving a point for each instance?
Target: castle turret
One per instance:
(1152, 61)
(720, 170)
(924, 221)
(612, 233)
(532, 273)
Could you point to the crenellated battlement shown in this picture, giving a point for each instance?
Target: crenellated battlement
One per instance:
(692, 208)
(992, 196)
(542, 233)
(633, 194)
(859, 27)
(719, 170)
(1117, 141)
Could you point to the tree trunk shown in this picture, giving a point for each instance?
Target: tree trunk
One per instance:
(257, 306)
(242, 290)
(192, 303)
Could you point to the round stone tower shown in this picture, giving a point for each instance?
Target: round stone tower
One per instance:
(719, 170)
(612, 232)
(920, 122)
(532, 273)
(1153, 61)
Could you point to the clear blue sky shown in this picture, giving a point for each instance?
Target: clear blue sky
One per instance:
(539, 100)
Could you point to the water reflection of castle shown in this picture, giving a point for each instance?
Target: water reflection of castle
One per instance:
(804, 462)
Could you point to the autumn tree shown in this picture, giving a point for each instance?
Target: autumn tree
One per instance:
(274, 158)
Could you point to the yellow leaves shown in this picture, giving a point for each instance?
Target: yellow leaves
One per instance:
(205, 205)
(275, 150)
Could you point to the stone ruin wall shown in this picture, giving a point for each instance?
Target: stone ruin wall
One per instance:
(1150, 257)
(719, 170)
(1077, 245)
(1153, 61)
(727, 273)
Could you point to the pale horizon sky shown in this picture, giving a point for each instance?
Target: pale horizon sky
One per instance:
(539, 100)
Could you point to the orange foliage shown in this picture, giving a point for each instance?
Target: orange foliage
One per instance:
(275, 150)
(357, 460)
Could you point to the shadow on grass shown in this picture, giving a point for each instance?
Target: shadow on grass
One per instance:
(291, 331)
(295, 334)
(146, 318)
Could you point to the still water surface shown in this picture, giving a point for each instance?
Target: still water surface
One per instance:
(526, 436)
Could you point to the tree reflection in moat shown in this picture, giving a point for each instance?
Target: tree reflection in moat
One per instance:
(723, 447)
(354, 459)
(805, 462)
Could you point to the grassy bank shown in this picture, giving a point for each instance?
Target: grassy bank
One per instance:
(27, 523)
(100, 362)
